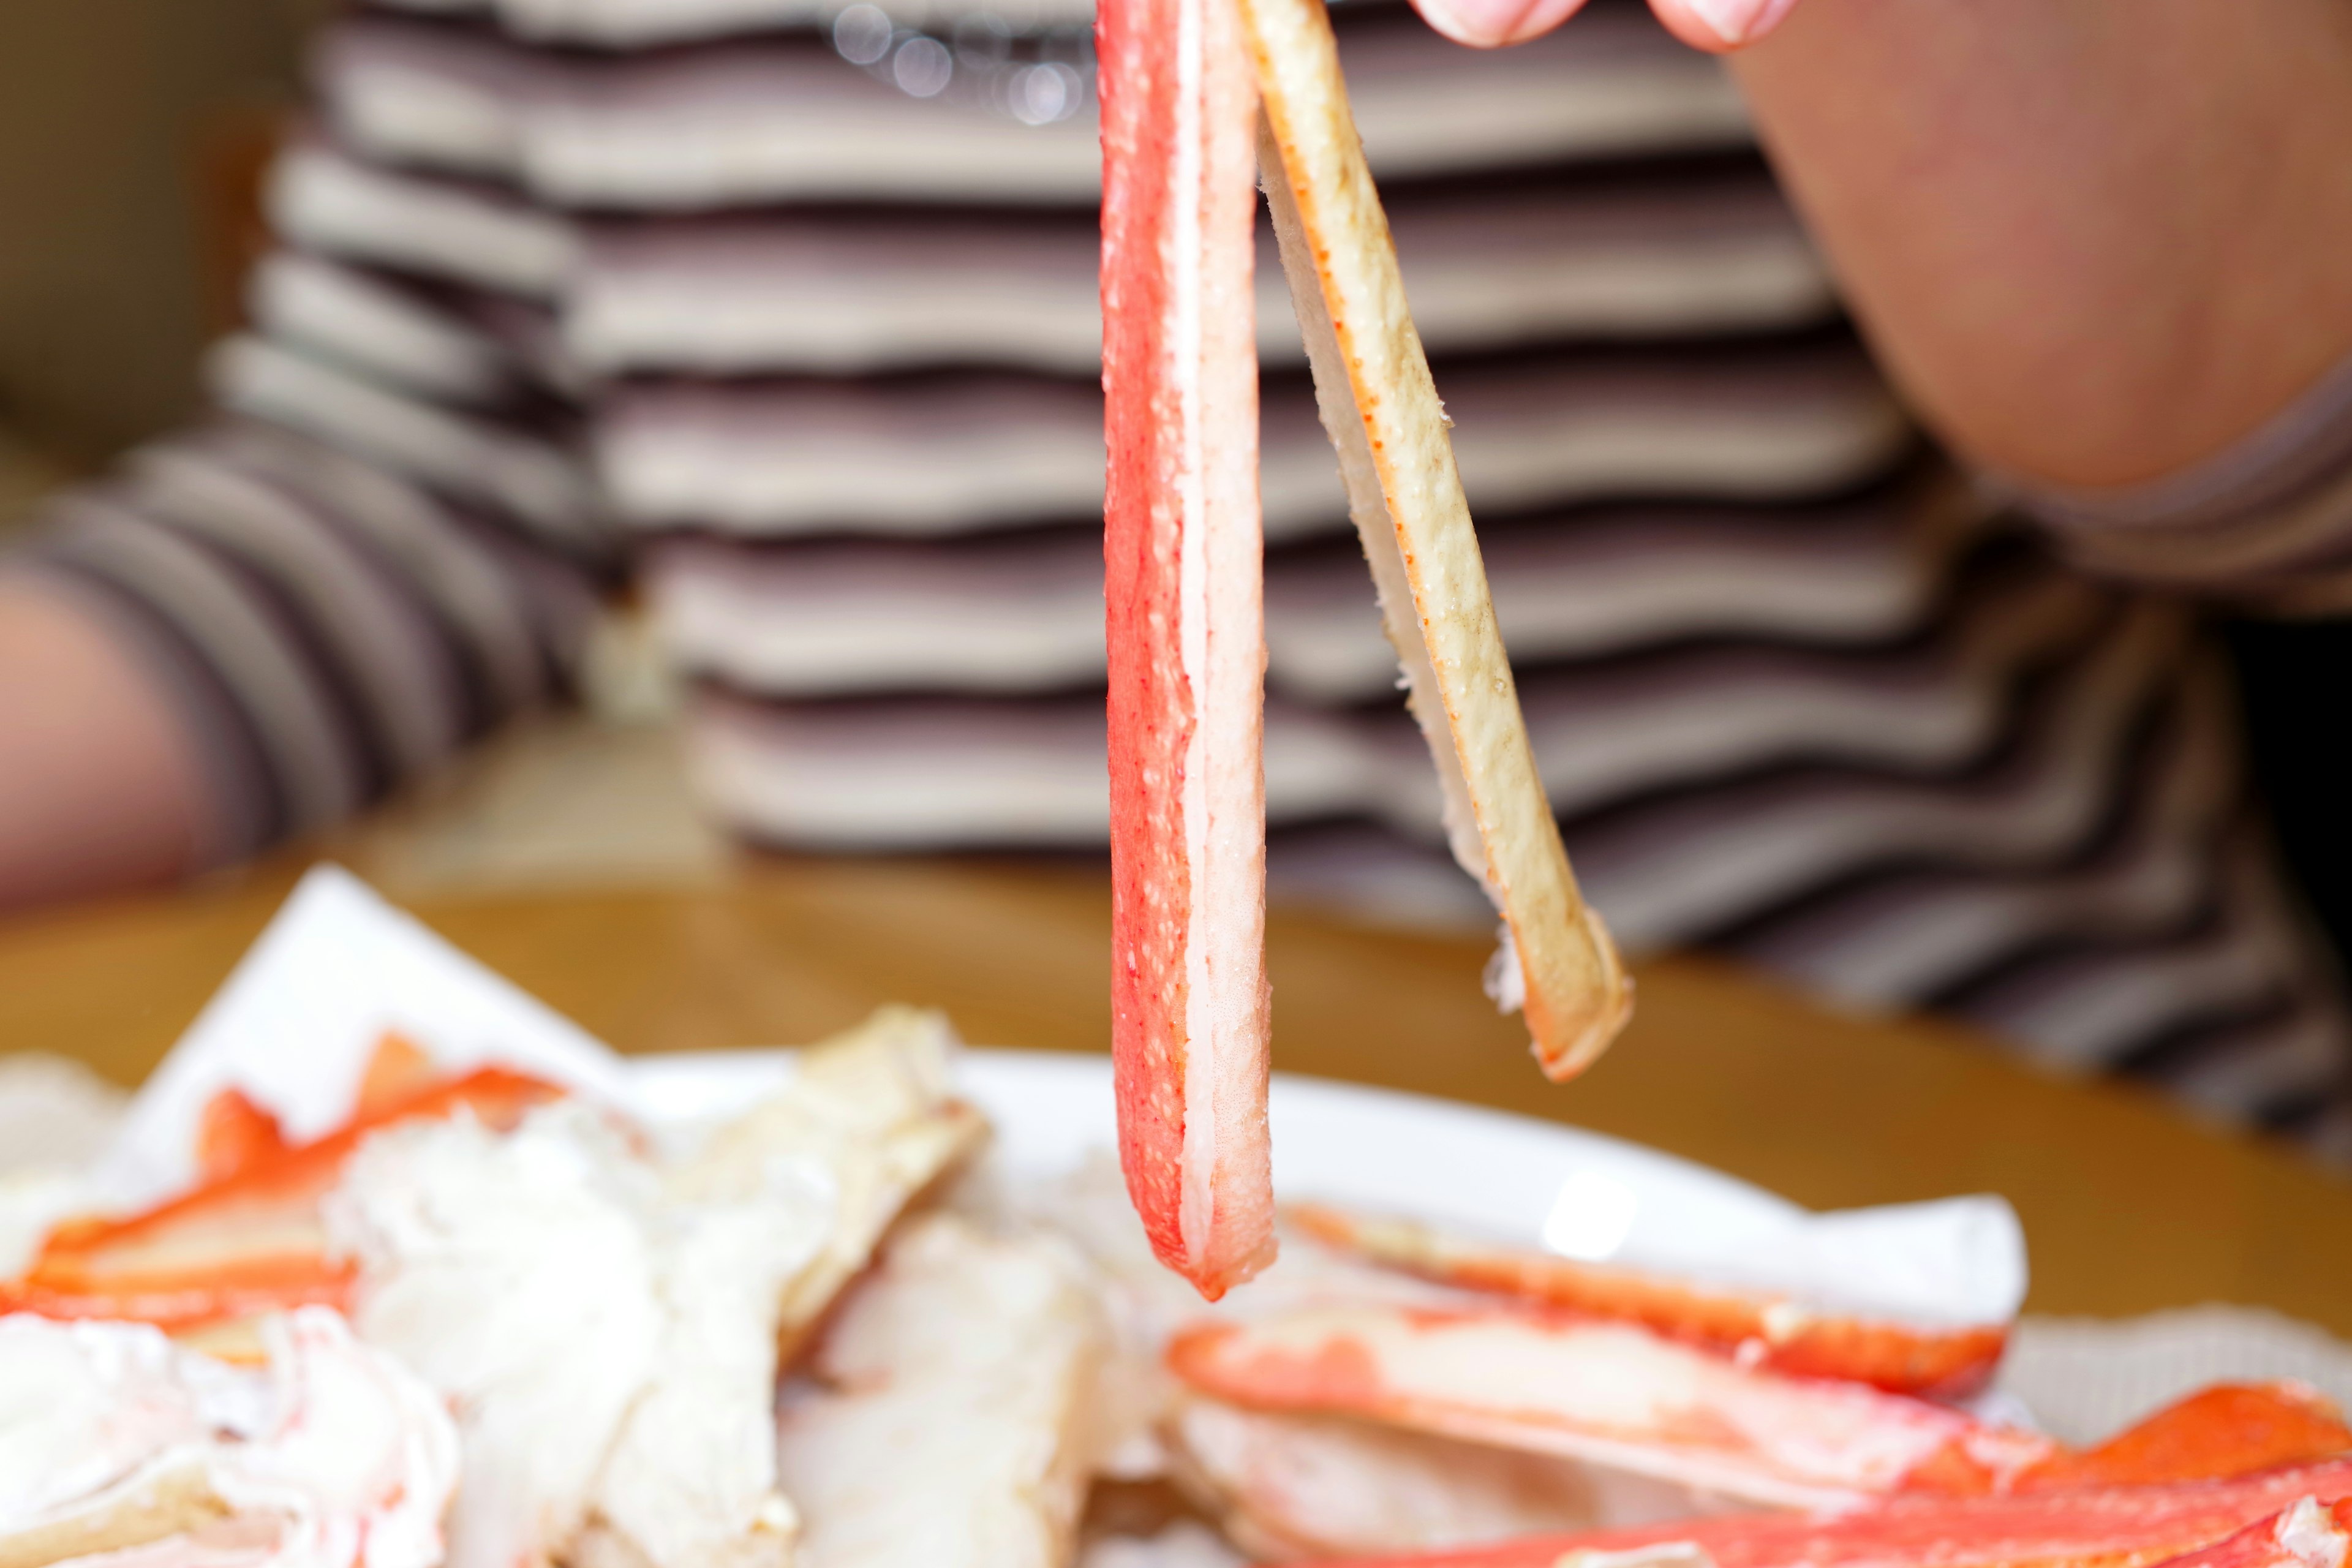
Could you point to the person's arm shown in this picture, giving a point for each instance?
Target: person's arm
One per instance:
(99, 785)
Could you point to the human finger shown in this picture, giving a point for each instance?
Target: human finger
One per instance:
(1720, 26)
(1491, 23)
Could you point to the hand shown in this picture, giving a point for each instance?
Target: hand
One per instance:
(102, 787)
(1716, 25)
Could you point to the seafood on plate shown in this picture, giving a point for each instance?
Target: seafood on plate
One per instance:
(609, 1325)
(1286, 1487)
(1635, 1374)
(947, 1419)
(119, 1447)
(2254, 1518)
(250, 1238)
(1762, 1328)
(816, 1321)
(1618, 1396)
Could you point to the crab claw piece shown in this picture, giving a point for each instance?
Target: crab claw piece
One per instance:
(1776, 1332)
(1184, 552)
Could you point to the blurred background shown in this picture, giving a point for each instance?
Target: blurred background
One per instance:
(714, 381)
(129, 145)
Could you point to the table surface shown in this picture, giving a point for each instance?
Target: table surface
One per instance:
(2127, 1207)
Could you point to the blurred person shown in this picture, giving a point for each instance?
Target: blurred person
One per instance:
(2098, 247)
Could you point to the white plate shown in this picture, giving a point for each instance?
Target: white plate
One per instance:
(296, 1024)
(1483, 1171)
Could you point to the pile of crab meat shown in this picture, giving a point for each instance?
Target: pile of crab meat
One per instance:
(490, 1324)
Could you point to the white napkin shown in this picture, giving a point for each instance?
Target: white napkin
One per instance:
(2085, 1378)
(296, 1023)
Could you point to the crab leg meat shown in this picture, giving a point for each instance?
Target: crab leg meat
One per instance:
(911, 1448)
(1610, 1394)
(2114, 1527)
(1616, 1395)
(1380, 407)
(1187, 644)
(1773, 1331)
(1290, 1487)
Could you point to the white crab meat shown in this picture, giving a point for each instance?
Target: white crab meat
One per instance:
(114, 1443)
(608, 1326)
(949, 1425)
(875, 1110)
(1322, 1487)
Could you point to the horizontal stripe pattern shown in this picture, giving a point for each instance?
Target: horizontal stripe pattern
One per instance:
(563, 278)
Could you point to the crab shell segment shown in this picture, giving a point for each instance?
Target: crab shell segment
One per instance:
(2109, 1527)
(1607, 1393)
(2229, 1430)
(2308, 1534)
(1762, 1328)
(1380, 405)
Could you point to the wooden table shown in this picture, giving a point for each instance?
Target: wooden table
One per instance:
(2128, 1207)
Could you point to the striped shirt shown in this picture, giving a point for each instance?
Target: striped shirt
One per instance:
(791, 309)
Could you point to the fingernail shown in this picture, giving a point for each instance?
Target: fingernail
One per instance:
(1490, 24)
(1740, 21)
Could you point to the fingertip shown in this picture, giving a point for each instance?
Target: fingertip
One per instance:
(1719, 26)
(1492, 24)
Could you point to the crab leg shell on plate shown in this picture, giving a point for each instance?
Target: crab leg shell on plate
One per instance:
(2229, 1430)
(1780, 1333)
(232, 1132)
(2310, 1534)
(249, 1242)
(1184, 552)
(1610, 1394)
(2110, 1527)
(1380, 405)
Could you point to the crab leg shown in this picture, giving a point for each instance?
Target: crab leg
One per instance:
(2229, 1430)
(1775, 1332)
(1380, 407)
(1187, 644)
(397, 1070)
(2117, 1527)
(1617, 1394)
(1610, 1394)
(2310, 1534)
(249, 1242)
(232, 1132)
